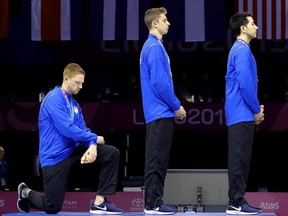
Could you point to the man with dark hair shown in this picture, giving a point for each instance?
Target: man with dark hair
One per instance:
(242, 110)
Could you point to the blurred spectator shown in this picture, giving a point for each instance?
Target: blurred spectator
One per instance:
(3, 170)
(206, 88)
(104, 86)
(183, 88)
(132, 89)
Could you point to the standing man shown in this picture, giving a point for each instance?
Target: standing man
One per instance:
(160, 107)
(64, 141)
(242, 110)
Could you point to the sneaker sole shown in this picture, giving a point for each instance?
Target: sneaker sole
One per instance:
(104, 212)
(151, 212)
(241, 213)
(19, 198)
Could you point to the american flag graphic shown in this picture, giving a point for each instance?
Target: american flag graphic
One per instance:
(124, 19)
(191, 20)
(269, 15)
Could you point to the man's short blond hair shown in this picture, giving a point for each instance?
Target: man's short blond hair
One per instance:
(72, 70)
(153, 14)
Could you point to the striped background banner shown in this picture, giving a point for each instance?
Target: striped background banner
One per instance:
(269, 15)
(92, 19)
(196, 20)
(191, 20)
(4, 16)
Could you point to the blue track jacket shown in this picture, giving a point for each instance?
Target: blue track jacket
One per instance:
(158, 97)
(61, 127)
(241, 102)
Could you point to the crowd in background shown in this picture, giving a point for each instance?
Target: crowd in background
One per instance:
(114, 84)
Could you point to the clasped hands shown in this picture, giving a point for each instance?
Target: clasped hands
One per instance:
(260, 116)
(180, 113)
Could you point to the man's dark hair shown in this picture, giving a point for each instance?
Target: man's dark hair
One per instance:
(237, 20)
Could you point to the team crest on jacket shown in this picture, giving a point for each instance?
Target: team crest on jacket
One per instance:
(76, 109)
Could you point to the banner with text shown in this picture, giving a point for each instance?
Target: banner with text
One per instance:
(23, 116)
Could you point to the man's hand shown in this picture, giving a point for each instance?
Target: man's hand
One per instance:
(100, 140)
(180, 113)
(90, 155)
(260, 116)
